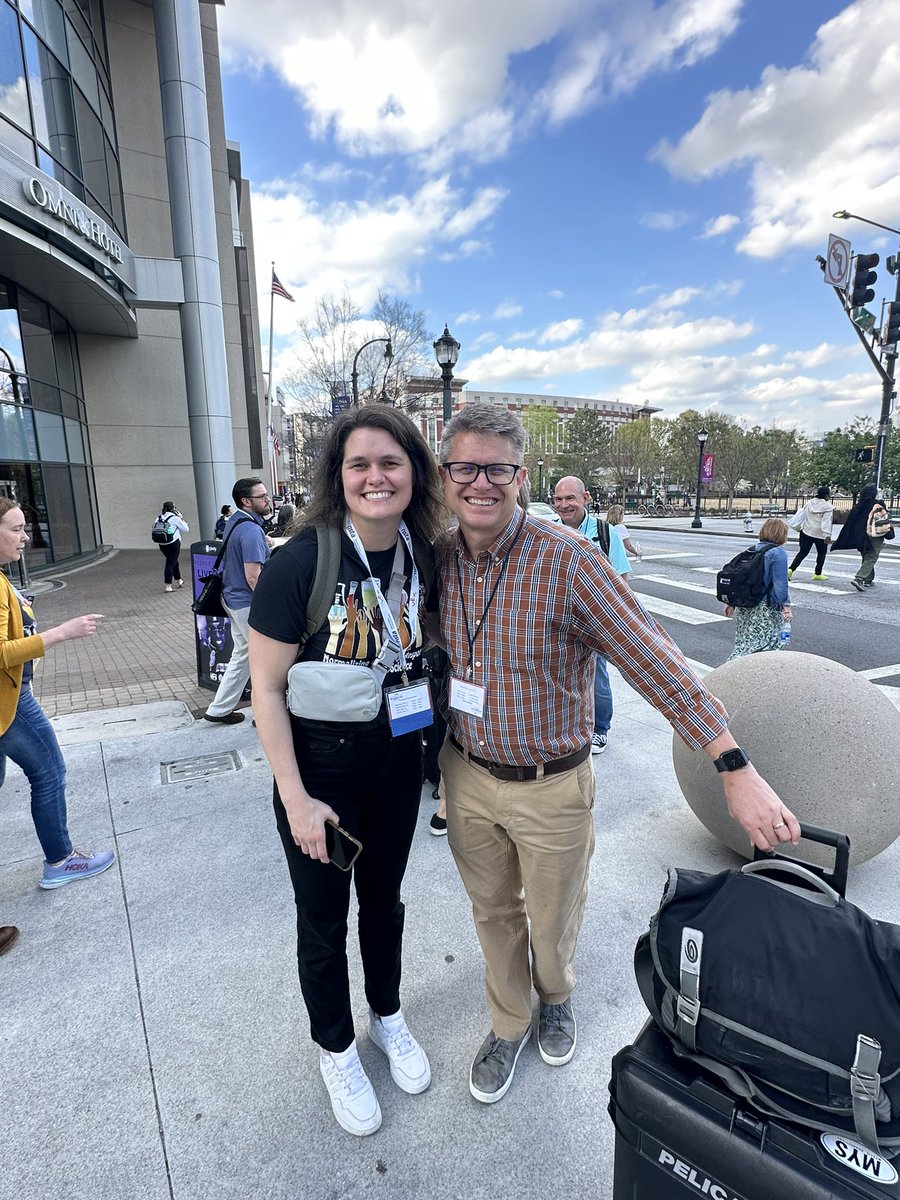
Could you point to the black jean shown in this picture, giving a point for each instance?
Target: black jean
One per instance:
(374, 783)
(806, 544)
(172, 569)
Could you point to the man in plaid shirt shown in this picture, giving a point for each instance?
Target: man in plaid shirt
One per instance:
(524, 606)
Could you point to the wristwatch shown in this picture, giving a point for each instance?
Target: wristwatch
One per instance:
(731, 760)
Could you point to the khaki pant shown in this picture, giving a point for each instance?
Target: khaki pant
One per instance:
(523, 851)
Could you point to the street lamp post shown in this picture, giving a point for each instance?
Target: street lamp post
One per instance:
(540, 467)
(354, 375)
(701, 442)
(446, 351)
(887, 371)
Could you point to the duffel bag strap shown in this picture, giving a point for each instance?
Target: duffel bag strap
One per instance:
(865, 1085)
(687, 1006)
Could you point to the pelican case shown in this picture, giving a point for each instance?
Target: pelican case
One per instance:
(680, 1133)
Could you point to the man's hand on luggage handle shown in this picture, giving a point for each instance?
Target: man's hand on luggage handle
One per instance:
(757, 809)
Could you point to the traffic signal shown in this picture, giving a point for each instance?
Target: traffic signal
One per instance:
(861, 290)
(865, 455)
(891, 333)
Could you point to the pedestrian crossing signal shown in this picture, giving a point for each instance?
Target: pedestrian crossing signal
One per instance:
(865, 455)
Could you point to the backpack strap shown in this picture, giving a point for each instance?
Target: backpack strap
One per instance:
(603, 536)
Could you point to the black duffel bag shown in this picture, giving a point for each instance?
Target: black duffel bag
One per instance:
(768, 977)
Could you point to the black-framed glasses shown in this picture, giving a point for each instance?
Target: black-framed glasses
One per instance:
(260, 496)
(463, 472)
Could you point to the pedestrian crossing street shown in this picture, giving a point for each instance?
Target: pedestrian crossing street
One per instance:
(692, 615)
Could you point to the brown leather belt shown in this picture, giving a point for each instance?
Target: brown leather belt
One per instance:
(525, 774)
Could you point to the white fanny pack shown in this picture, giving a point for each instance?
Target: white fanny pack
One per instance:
(321, 691)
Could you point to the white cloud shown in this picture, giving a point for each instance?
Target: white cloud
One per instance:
(405, 79)
(466, 318)
(561, 331)
(817, 137)
(719, 225)
(556, 294)
(665, 220)
(361, 246)
(507, 309)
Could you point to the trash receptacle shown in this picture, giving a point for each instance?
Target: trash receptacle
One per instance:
(212, 635)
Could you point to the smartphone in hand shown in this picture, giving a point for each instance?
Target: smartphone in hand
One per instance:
(343, 848)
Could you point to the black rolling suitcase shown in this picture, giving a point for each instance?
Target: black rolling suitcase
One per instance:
(679, 1133)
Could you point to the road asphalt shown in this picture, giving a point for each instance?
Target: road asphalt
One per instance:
(153, 1039)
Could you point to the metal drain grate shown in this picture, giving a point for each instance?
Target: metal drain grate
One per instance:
(206, 765)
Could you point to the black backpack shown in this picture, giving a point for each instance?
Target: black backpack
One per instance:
(771, 980)
(602, 538)
(742, 582)
(162, 532)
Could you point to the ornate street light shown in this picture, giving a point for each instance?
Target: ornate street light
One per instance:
(446, 351)
(702, 435)
(354, 376)
(540, 467)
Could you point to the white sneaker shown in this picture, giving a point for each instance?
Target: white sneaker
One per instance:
(355, 1104)
(598, 743)
(409, 1064)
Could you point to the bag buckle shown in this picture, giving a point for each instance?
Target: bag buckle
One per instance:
(688, 1009)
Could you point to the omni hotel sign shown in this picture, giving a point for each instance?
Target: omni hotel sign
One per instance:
(28, 192)
(79, 220)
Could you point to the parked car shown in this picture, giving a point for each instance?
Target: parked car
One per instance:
(545, 511)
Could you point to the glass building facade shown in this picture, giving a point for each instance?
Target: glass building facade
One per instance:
(45, 460)
(55, 98)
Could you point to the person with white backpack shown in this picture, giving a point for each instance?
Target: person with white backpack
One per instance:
(813, 522)
(167, 530)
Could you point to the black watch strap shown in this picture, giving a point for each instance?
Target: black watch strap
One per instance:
(731, 760)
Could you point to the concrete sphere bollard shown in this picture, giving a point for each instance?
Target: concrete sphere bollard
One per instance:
(822, 736)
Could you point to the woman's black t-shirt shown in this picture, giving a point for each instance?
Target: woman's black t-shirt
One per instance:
(352, 632)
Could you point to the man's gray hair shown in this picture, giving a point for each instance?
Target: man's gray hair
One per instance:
(485, 420)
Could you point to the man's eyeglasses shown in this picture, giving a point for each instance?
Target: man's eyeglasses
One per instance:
(501, 473)
(260, 496)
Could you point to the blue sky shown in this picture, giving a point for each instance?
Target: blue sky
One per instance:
(621, 200)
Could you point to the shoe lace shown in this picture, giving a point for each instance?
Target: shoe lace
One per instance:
(350, 1076)
(398, 1038)
(79, 854)
(553, 1016)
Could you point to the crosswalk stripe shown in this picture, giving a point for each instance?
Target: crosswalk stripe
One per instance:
(678, 612)
(804, 587)
(689, 587)
(663, 555)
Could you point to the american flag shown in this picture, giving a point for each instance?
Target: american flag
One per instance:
(278, 288)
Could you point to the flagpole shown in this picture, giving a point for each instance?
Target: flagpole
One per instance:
(269, 384)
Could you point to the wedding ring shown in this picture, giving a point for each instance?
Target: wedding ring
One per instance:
(778, 825)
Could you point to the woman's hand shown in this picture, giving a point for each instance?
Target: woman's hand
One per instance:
(307, 818)
(786, 612)
(78, 627)
(729, 610)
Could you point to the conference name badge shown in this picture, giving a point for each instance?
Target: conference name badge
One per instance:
(409, 706)
(467, 697)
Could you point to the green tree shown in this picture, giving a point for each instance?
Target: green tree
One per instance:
(833, 461)
(587, 445)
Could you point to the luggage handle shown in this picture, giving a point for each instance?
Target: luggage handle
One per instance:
(762, 867)
(836, 878)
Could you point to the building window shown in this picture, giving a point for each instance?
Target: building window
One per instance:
(44, 447)
(55, 106)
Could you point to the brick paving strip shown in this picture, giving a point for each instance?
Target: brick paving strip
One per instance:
(144, 650)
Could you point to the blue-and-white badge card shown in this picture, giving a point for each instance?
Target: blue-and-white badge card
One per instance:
(409, 706)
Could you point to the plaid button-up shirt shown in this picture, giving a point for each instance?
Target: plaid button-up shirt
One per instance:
(558, 602)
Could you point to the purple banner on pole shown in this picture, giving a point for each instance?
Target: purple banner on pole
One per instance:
(707, 468)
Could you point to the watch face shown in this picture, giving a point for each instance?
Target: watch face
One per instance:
(732, 760)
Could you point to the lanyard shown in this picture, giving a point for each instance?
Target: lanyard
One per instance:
(479, 625)
(390, 607)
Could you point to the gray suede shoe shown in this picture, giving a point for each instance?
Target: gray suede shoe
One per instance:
(494, 1066)
(556, 1033)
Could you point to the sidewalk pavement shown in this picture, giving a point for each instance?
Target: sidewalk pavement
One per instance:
(153, 1039)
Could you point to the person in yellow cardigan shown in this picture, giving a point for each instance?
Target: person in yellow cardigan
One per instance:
(26, 736)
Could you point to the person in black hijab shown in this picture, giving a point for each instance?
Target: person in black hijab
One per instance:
(865, 530)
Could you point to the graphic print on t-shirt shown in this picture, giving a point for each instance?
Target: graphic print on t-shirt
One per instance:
(356, 625)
